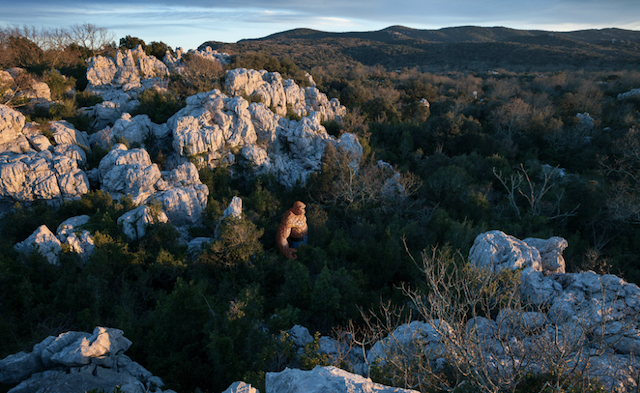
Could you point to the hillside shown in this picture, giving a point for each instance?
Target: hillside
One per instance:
(468, 47)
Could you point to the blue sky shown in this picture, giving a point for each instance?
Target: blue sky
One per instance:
(193, 22)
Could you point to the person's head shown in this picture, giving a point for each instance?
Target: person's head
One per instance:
(299, 208)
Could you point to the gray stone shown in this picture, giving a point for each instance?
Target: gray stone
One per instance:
(324, 379)
(44, 242)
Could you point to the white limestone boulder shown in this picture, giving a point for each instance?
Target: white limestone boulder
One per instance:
(411, 338)
(496, 251)
(241, 387)
(300, 336)
(76, 362)
(550, 253)
(79, 240)
(184, 205)
(234, 209)
(65, 133)
(44, 242)
(129, 172)
(135, 222)
(11, 124)
(324, 379)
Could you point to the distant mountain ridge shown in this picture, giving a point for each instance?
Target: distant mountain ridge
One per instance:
(465, 47)
(459, 34)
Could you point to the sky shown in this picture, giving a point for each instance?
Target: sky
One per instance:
(194, 22)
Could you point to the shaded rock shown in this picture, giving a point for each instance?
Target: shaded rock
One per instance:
(18, 367)
(80, 241)
(44, 242)
(300, 335)
(135, 222)
(241, 387)
(196, 245)
(496, 251)
(550, 253)
(76, 362)
(65, 133)
(537, 288)
(323, 379)
(405, 338)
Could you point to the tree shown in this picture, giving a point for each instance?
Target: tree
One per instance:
(158, 49)
(91, 37)
(129, 42)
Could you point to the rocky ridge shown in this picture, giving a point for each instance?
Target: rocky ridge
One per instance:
(78, 362)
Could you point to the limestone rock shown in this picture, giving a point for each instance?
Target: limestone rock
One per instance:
(184, 205)
(129, 172)
(234, 209)
(124, 69)
(537, 288)
(134, 223)
(213, 124)
(300, 335)
(15, 368)
(76, 362)
(44, 242)
(196, 245)
(550, 253)
(496, 251)
(176, 63)
(241, 387)
(404, 339)
(11, 124)
(65, 133)
(80, 241)
(631, 93)
(323, 379)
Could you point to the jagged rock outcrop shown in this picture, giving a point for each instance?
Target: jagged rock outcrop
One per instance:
(134, 223)
(281, 95)
(324, 379)
(78, 362)
(79, 240)
(130, 172)
(125, 172)
(176, 63)
(31, 167)
(407, 336)
(128, 69)
(119, 80)
(212, 125)
(234, 209)
(136, 130)
(497, 250)
(42, 175)
(44, 242)
(631, 93)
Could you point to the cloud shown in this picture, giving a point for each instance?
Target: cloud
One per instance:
(197, 21)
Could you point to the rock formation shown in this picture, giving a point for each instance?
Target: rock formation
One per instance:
(76, 362)
(130, 172)
(324, 379)
(212, 125)
(176, 63)
(135, 222)
(497, 250)
(43, 241)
